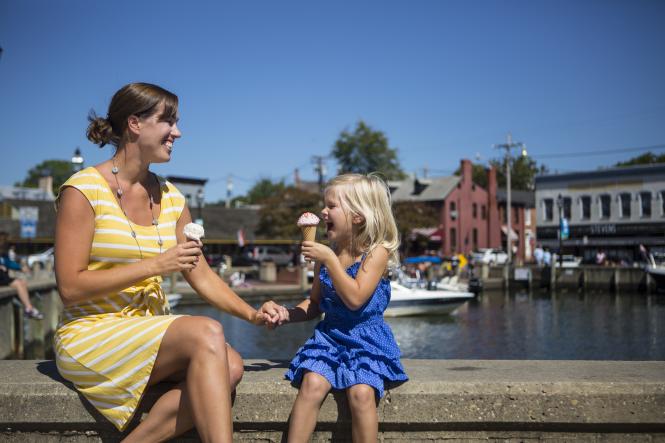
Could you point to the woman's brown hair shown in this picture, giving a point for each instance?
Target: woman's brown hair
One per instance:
(139, 99)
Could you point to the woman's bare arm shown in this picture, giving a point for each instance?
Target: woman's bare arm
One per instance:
(211, 287)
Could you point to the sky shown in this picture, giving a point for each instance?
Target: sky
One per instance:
(266, 85)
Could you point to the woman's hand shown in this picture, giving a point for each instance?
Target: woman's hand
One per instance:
(317, 252)
(181, 257)
(273, 314)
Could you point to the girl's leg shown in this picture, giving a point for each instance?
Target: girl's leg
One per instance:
(21, 287)
(364, 418)
(195, 347)
(311, 394)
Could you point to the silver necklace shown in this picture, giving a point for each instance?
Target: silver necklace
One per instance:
(155, 223)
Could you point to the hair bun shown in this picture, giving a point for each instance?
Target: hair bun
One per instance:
(100, 130)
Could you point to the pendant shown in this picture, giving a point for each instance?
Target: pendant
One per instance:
(155, 222)
(160, 242)
(114, 170)
(133, 234)
(119, 192)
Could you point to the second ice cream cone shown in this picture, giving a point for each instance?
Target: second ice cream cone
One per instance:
(308, 233)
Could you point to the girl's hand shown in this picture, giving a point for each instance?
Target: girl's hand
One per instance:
(181, 257)
(273, 314)
(317, 252)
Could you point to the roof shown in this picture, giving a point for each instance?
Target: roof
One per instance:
(644, 172)
(20, 193)
(421, 189)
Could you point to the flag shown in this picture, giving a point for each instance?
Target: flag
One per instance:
(241, 238)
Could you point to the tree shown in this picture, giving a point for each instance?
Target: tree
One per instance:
(644, 159)
(411, 215)
(263, 190)
(365, 150)
(280, 212)
(523, 171)
(60, 170)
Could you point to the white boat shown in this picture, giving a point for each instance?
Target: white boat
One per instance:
(173, 299)
(657, 272)
(417, 301)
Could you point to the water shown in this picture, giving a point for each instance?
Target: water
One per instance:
(495, 326)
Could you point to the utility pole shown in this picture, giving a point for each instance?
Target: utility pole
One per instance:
(508, 146)
(319, 168)
(229, 189)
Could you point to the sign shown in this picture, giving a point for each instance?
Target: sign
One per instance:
(565, 231)
(28, 217)
(522, 274)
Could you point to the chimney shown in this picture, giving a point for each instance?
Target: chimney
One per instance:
(467, 170)
(46, 185)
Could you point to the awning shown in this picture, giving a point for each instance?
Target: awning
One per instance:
(423, 259)
(433, 234)
(513, 234)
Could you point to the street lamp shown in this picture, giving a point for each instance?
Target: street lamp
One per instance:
(508, 146)
(77, 160)
(559, 203)
(199, 204)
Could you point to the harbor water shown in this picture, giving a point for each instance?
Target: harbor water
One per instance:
(495, 325)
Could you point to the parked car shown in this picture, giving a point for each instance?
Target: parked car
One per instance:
(570, 261)
(41, 259)
(489, 256)
(252, 255)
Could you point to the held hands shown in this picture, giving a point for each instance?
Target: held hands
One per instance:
(181, 257)
(273, 314)
(317, 252)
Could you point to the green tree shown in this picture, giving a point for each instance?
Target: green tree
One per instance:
(411, 215)
(523, 171)
(263, 190)
(365, 150)
(644, 159)
(60, 170)
(280, 212)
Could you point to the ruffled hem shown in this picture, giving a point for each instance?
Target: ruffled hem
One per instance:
(343, 369)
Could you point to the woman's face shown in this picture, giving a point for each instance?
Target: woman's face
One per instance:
(156, 137)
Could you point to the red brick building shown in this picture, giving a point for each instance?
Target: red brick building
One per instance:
(470, 215)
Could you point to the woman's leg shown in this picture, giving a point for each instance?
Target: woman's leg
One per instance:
(311, 394)
(364, 417)
(195, 347)
(21, 287)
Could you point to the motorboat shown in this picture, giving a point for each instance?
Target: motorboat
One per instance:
(173, 299)
(406, 300)
(657, 272)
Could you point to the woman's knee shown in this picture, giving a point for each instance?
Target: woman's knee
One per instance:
(314, 386)
(361, 396)
(236, 366)
(209, 337)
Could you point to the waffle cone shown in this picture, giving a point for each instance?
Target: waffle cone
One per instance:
(308, 233)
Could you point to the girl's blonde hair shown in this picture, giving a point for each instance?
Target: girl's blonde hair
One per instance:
(368, 196)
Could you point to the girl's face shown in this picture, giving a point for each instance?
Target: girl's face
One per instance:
(157, 136)
(339, 226)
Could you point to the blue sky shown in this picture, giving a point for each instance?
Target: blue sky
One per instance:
(264, 85)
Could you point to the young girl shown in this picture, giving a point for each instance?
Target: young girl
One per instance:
(352, 348)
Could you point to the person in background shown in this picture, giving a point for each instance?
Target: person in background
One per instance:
(19, 284)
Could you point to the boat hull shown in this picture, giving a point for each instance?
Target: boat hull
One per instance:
(406, 301)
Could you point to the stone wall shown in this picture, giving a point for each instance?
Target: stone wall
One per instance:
(452, 400)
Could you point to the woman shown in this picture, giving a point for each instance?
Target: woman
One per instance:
(119, 228)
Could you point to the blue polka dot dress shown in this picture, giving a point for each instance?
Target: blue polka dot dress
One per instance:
(350, 347)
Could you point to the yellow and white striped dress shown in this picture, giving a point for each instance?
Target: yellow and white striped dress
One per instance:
(107, 346)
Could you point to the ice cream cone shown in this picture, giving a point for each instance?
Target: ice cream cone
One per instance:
(308, 233)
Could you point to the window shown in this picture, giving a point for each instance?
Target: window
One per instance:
(527, 216)
(516, 213)
(453, 239)
(548, 209)
(585, 203)
(605, 206)
(474, 210)
(624, 199)
(567, 203)
(483, 212)
(452, 206)
(475, 239)
(453, 210)
(645, 204)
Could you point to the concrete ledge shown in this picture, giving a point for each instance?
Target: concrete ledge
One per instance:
(464, 400)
